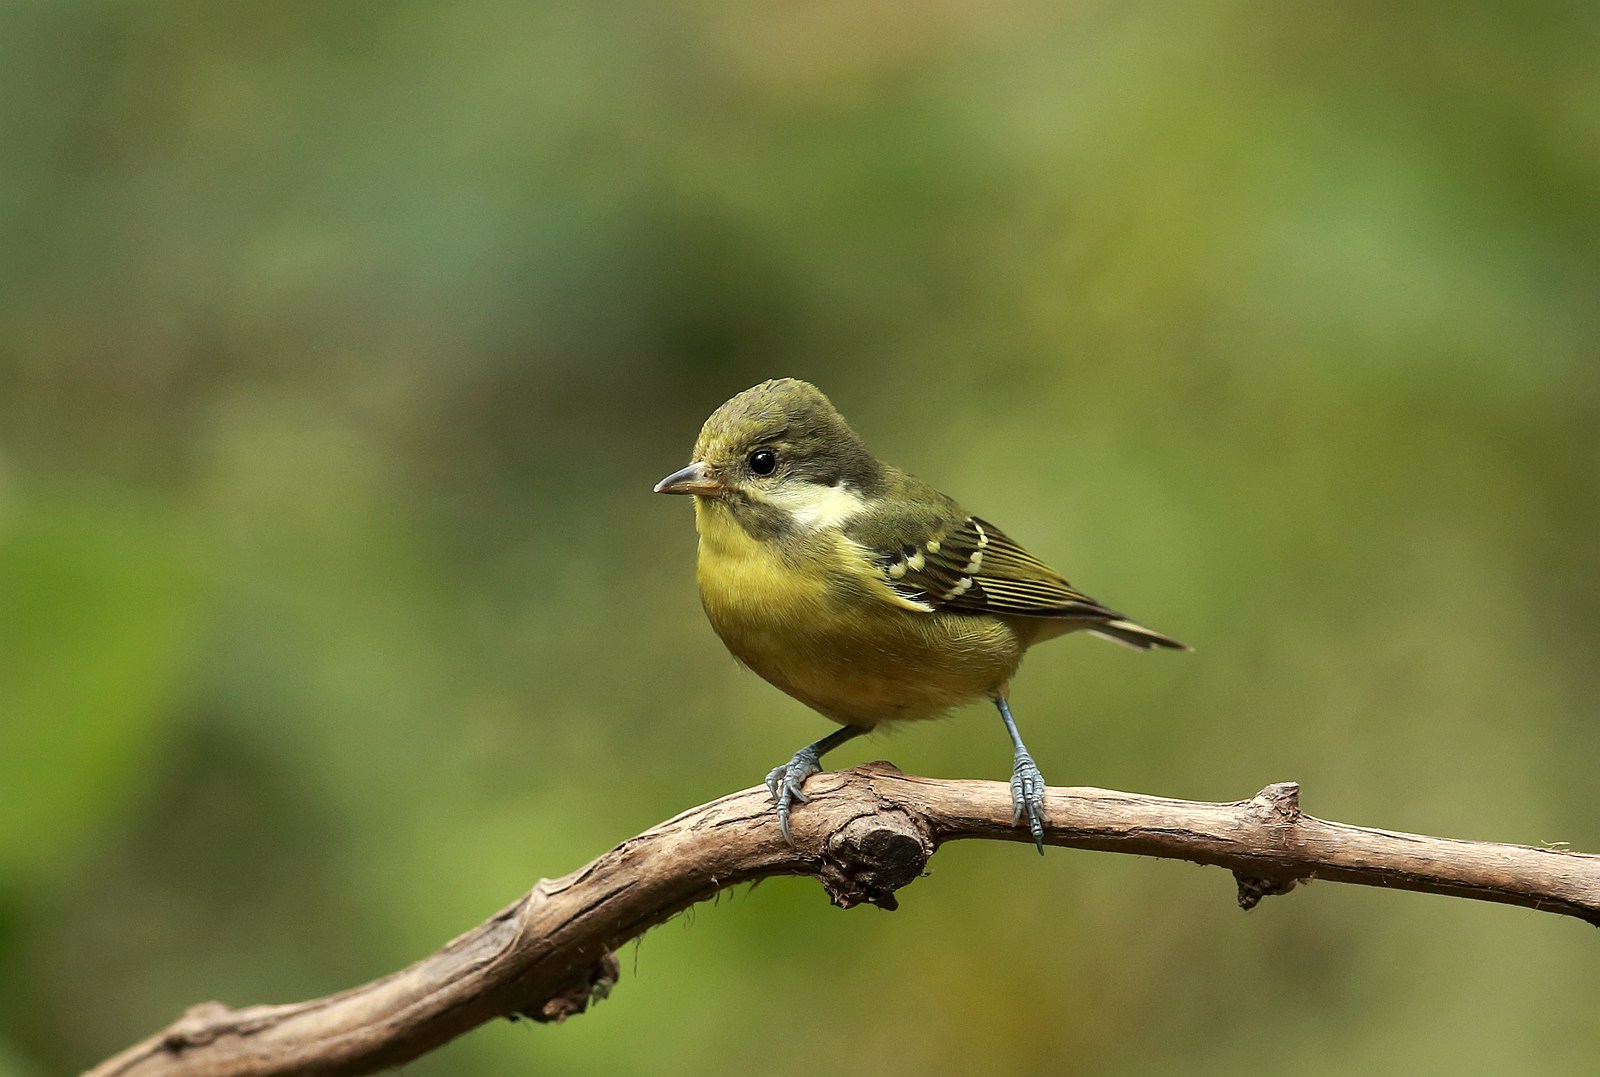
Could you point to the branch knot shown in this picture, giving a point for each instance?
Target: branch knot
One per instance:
(871, 856)
(1277, 809)
(574, 994)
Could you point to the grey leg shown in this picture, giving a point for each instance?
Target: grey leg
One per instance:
(1027, 784)
(784, 782)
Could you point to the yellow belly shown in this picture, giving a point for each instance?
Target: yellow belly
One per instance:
(820, 624)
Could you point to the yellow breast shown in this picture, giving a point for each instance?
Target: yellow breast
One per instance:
(811, 614)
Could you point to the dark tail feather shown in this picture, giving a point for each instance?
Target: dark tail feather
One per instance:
(1136, 636)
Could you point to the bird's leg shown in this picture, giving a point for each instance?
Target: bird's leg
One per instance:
(1027, 784)
(784, 782)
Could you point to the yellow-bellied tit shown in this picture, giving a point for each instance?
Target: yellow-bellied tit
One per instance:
(862, 591)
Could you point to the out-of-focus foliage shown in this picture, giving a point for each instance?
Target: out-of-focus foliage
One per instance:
(342, 343)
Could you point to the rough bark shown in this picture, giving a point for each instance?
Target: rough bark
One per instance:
(866, 833)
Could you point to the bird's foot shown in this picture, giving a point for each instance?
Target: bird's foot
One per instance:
(1027, 795)
(784, 784)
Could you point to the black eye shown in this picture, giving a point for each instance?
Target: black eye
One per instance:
(763, 461)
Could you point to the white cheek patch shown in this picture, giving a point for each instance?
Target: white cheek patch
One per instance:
(815, 507)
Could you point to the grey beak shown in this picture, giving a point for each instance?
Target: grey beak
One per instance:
(694, 479)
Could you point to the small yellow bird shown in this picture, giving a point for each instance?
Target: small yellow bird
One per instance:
(862, 591)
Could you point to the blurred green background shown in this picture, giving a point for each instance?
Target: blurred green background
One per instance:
(343, 343)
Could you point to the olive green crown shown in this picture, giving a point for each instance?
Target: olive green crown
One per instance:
(799, 423)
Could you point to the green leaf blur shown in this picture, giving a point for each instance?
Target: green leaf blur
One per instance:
(345, 341)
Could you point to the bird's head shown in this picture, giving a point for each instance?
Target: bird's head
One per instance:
(780, 448)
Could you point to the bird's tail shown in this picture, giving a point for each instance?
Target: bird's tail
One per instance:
(1136, 636)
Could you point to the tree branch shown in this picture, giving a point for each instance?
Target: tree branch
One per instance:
(866, 833)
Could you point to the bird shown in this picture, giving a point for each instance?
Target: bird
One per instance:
(862, 591)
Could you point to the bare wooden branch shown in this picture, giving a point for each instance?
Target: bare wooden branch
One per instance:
(866, 833)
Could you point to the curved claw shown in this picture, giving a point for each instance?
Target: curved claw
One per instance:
(785, 782)
(1027, 795)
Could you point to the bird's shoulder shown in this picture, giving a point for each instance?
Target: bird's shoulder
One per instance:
(935, 555)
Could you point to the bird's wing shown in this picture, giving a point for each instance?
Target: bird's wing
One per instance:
(960, 563)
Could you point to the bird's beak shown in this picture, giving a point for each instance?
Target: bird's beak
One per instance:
(694, 479)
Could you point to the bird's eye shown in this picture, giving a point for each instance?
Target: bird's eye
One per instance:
(763, 461)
